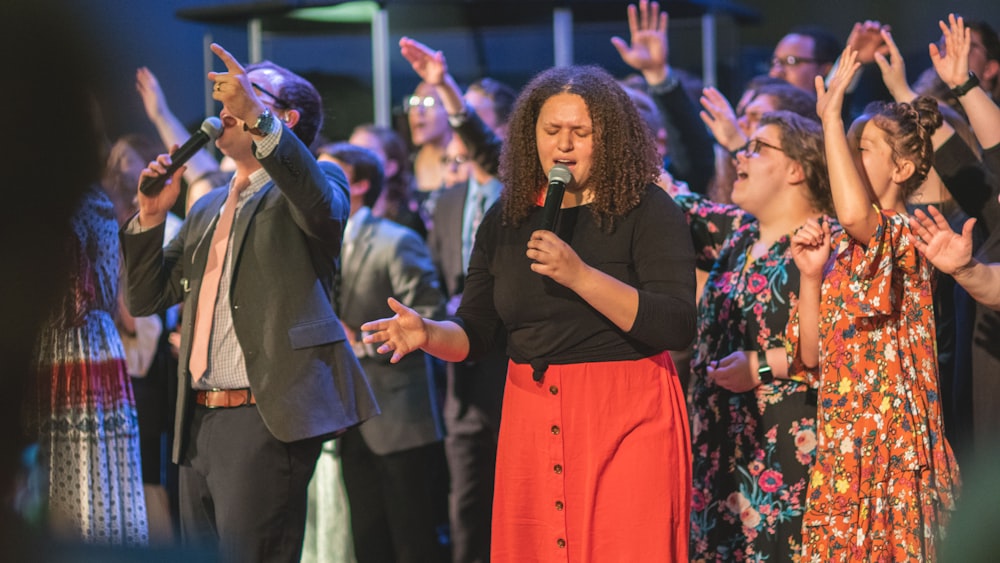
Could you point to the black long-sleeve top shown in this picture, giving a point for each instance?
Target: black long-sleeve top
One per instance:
(975, 186)
(483, 143)
(692, 152)
(650, 249)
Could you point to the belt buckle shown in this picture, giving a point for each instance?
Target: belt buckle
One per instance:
(209, 403)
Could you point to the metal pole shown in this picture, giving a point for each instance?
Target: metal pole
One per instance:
(255, 35)
(708, 54)
(562, 35)
(207, 59)
(381, 92)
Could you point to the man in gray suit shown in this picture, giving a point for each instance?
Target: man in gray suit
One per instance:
(266, 372)
(394, 465)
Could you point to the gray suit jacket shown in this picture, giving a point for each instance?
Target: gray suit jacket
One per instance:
(287, 237)
(480, 383)
(385, 260)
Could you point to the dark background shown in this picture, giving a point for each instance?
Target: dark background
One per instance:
(509, 40)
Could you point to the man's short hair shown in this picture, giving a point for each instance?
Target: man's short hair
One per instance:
(365, 163)
(299, 94)
(826, 47)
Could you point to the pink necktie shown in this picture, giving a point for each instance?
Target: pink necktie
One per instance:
(209, 291)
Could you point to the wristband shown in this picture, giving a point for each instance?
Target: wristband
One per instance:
(963, 89)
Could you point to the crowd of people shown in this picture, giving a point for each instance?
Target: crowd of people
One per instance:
(753, 331)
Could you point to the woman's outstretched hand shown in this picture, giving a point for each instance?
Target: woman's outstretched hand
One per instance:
(946, 249)
(400, 334)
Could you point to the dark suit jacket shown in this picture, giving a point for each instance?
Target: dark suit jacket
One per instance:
(478, 383)
(391, 260)
(287, 237)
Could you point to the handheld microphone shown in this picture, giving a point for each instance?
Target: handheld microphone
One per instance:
(559, 176)
(210, 130)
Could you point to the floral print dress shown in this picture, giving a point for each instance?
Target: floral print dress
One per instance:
(752, 451)
(885, 480)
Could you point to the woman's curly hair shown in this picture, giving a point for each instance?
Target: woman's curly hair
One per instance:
(624, 155)
(908, 128)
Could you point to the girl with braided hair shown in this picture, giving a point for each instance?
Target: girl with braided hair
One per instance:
(885, 479)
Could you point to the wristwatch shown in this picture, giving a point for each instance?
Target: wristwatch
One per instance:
(764, 370)
(263, 125)
(456, 120)
(963, 89)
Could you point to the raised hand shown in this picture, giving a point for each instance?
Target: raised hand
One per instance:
(430, 65)
(400, 334)
(153, 209)
(952, 66)
(946, 249)
(648, 49)
(894, 71)
(233, 88)
(830, 101)
(153, 100)
(720, 118)
(811, 248)
(866, 38)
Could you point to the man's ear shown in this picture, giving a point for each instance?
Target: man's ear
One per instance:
(903, 170)
(292, 117)
(360, 187)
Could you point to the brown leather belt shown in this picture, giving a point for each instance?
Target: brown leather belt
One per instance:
(225, 398)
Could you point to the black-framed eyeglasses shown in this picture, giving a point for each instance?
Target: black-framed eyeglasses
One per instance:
(790, 60)
(415, 101)
(753, 146)
(279, 103)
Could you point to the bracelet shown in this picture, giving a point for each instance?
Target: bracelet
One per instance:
(764, 370)
(963, 89)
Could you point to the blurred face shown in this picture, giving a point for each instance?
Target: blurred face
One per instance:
(483, 106)
(427, 117)
(753, 111)
(234, 141)
(793, 61)
(876, 158)
(362, 138)
(987, 70)
(456, 162)
(564, 134)
(761, 170)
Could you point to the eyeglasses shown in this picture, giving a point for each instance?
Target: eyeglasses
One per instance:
(790, 60)
(454, 160)
(278, 102)
(415, 101)
(753, 146)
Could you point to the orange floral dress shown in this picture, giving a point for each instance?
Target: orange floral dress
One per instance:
(885, 480)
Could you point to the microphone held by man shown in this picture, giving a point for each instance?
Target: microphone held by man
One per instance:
(210, 130)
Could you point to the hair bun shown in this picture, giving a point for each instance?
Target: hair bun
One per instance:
(928, 115)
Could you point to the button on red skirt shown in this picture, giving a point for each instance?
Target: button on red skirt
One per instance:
(593, 465)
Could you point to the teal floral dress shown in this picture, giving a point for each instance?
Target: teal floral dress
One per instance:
(751, 451)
